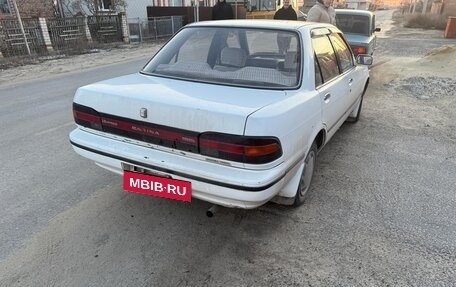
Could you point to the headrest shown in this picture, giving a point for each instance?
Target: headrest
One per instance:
(234, 57)
(291, 61)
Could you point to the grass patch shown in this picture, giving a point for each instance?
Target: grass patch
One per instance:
(16, 61)
(425, 21)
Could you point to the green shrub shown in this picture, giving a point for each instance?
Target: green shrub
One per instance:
(426, 21)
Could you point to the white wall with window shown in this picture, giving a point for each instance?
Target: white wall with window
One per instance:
(138, 8)
(104, 5)
(358, 4)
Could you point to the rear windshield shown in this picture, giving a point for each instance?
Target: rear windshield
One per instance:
(354, 24)
(256, 58)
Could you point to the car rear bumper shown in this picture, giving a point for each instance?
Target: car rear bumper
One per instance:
(213, 182)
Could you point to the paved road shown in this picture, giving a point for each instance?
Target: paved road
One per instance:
(41, 176)
(399, 42)
(381, 211)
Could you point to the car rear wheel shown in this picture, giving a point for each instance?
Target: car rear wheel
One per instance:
(306, 176)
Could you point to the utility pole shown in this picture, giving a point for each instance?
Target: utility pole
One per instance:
(21, 26)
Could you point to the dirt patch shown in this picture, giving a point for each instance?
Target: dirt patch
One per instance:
(30, 69)
(439, 63)
(413, 93)
(429, 79)
(443, 51)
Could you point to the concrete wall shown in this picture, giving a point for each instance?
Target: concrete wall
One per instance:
(138, 8)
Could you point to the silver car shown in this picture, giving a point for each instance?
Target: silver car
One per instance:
(359, 29)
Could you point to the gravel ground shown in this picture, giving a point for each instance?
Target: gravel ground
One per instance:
(424, 88)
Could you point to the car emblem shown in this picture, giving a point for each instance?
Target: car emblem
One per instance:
(143, 112)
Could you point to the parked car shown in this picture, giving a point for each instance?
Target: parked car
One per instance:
(222, 114)
(359, 29)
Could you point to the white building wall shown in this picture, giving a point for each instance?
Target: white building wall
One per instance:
(363, 6)
(138, 8)
(358, 4)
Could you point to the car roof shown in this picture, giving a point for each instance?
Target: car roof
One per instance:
(261, 23)
(354, 12)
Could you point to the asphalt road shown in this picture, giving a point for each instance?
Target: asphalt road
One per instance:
(381, 211)
(41, 176)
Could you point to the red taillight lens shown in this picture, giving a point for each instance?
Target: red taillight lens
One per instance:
(255, 150)
(359, 50)
(245, 149)
(86, 117)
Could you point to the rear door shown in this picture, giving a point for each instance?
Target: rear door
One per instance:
(346, 63)
(333, 88)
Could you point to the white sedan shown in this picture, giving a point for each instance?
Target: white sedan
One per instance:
(231, 112)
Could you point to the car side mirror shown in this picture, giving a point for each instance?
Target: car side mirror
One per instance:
(377, 29)
(364, 59)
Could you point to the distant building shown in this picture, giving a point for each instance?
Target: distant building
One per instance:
(358, 4)
(307, 4)
(138, 8)
(133, 8)
(392, 3)
(348, 4)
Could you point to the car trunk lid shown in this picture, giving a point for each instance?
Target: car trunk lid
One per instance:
(189, 106)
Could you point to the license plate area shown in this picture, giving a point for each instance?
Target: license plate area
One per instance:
(138, 169)
(147, 182)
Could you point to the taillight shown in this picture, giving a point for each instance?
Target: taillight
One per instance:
(244, 149)
(359, 50)
(255, 150)
(86, 117)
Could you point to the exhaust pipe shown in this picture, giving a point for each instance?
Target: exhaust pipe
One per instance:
(211, 211)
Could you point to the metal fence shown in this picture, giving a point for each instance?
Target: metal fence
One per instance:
(105, 29)
(67, 33)
(74, 34)
(155, 28)
(12, 42)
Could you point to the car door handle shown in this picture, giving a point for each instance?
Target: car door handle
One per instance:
(326, 98)
(350, 81)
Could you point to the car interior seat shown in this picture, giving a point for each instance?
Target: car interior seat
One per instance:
(233, 57)
(291, 61)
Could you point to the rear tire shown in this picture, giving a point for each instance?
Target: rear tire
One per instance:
(305, 181)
